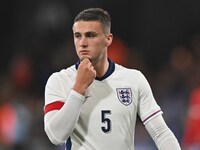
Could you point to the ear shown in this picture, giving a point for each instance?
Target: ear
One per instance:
(109, 39)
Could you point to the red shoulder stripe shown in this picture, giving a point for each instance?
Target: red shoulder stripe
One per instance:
(57, 105)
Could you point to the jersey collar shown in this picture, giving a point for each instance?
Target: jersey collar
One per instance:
(110, 70)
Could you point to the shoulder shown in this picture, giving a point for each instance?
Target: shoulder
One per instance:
(62, 75)
(128, 75)
(128, 71)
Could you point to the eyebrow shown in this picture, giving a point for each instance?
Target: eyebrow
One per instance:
(87, 32)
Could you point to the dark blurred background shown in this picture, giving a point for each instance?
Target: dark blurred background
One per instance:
(160, 38)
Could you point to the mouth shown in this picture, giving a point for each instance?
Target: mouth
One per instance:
(84, 52)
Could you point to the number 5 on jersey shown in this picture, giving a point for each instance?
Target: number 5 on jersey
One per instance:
(105, 120)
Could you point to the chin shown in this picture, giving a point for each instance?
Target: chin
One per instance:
(84, 57)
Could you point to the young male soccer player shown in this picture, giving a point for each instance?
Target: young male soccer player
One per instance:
(94, 103)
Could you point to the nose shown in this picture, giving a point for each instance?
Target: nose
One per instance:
(83, 42)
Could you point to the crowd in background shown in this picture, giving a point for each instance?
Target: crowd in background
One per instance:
(46, 46)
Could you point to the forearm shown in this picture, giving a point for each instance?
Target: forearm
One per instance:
(162, 135)
(60, 124)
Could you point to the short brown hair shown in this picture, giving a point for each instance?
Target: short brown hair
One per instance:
(95, 14)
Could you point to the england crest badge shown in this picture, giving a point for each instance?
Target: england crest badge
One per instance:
(124, 95)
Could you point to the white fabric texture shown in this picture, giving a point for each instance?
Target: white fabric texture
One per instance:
(161, 134)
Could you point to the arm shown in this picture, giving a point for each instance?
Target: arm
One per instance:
(59, 124)
(150, 114)
(62, 117)
(161, 134)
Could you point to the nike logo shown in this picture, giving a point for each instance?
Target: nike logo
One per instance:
(87, 96)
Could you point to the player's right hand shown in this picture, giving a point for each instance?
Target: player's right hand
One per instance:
(85, 76)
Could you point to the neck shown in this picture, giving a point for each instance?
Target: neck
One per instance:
(101, 67)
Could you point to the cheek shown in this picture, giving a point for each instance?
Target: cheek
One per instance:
(100, 44)
(76, 45)
(75, 42)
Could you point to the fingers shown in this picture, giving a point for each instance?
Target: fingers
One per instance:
(86, 70)
(87, 63)
(85, 76)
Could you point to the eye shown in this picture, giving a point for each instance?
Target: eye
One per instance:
(77, 35)
(90, 35)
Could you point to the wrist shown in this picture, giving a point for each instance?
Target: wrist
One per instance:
(80, 89)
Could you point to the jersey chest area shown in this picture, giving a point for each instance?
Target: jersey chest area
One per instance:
(114, 95)
(109, 106)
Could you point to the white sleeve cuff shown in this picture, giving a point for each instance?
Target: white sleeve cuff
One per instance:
(78, 95)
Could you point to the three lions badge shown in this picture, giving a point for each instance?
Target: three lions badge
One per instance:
(124, 95)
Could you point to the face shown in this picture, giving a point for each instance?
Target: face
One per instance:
(91, 41)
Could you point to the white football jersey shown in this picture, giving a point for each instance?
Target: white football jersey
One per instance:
(108, 115)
